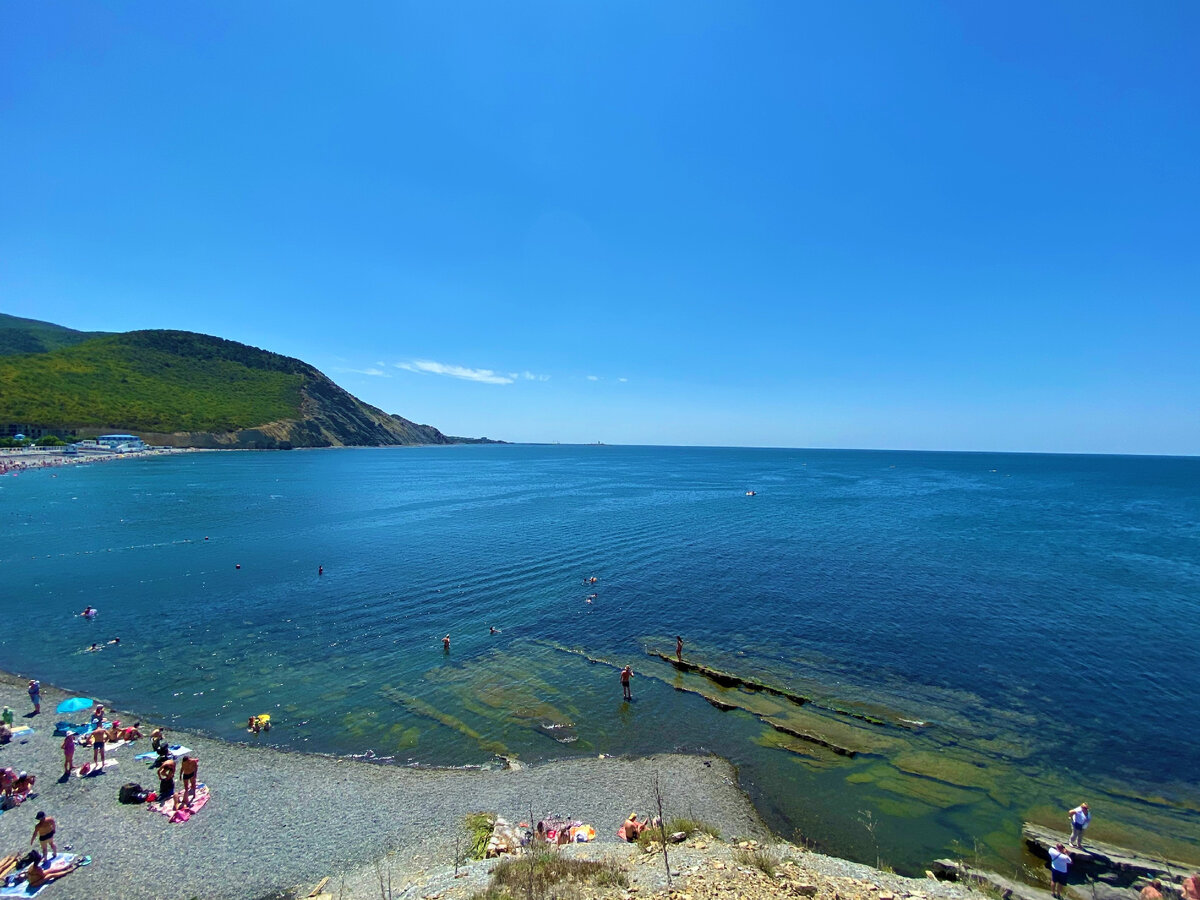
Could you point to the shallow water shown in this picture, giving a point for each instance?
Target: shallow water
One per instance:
(1036, 612)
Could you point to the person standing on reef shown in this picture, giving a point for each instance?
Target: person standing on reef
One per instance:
(626, 674)
(1080, 819)
(446, 644)
(1059, 862)
(35, 695)
(678, 648)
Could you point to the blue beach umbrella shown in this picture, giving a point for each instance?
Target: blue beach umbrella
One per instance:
(75, 704)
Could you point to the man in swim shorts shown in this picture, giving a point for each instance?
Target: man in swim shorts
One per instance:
(99, 739)
(626, 674)
(679, 648)
(446, 644)
(166, 780)
(35, 695)
(187, 768)
(44, 831)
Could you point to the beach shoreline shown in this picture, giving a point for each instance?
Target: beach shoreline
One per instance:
(282, 818)
(13, 460)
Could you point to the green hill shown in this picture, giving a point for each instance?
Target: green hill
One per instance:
(19, 335)
(185, 389)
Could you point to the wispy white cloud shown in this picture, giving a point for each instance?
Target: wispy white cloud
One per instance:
(622, 380)
(530, 376)
(378, 373)
(593, 378)
(429, 367)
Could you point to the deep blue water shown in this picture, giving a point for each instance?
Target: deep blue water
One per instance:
(1038, 612)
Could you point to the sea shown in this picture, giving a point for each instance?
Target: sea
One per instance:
(926, 649)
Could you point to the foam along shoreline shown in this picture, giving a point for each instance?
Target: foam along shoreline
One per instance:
(278, 819)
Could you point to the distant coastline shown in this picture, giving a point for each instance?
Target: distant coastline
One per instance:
(14, 460)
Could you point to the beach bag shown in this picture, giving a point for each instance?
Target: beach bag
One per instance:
(132, 793)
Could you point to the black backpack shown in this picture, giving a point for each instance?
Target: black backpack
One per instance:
(132, 793)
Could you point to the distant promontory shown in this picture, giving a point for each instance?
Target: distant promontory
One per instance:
(182, 389)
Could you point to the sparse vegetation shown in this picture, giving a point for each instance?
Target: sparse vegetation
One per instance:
(535, 873)
(648, 838)
(765, 859)
(692, 826)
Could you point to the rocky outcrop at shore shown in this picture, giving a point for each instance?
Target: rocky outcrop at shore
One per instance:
(956, 870)
(1112, 872)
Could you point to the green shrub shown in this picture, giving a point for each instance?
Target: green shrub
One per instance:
(479, 830)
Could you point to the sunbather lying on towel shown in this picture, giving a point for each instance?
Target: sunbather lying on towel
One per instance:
(37, 876)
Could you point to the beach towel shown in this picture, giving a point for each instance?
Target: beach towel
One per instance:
(166, 806)
(65, 728)
(186, 812)
(177, 750)
(22, 889)
(94, 769)
(21, 732)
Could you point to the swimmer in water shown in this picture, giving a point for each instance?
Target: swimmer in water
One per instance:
(94, 648)
(115, 641)
(320, 570)
(446, 644)
(492, 630)
(88, 612)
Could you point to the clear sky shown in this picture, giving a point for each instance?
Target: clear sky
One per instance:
(837, 224)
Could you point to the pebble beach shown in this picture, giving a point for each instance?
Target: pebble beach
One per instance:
(280, 820)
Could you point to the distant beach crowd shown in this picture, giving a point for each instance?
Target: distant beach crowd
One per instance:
(13, 461)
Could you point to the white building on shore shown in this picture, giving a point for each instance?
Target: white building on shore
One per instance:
(121, 443)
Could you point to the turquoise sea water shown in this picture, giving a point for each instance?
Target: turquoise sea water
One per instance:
(1023, 628)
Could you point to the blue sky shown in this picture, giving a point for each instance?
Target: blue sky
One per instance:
(904, 225)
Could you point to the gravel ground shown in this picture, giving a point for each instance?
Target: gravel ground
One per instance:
(694, 868)
(278, 820)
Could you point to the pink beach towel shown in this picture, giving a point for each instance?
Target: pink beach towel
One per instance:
(184, 812)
